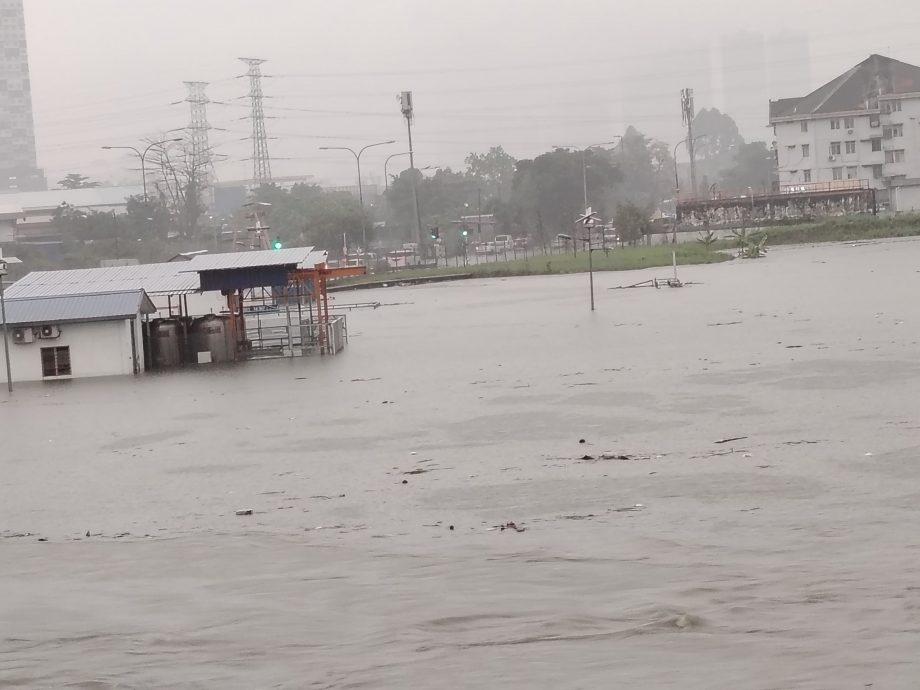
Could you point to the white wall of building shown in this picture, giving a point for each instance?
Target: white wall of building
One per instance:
(898, 130)
(98, 348)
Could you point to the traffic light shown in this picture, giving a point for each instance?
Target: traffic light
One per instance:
(435, 233)
(464, 232)
(277, 243)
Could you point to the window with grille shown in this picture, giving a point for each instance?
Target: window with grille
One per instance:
(851, 147)
(55, 361)
(849, 122)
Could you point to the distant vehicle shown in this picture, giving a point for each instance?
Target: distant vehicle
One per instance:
(484, 248)
(503, 242)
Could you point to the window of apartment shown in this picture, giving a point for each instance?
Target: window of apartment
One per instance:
(892, 131)
(838, 173)
(806, 150)
(850, 147)
(806, 175)
(835, 123)
(876, 172)
(892, 106)
(835, 148)
(55, 361)
(876, 144)
(849, 122)
(874, 121)
(804, 125)
(896, 156)
(852, 172)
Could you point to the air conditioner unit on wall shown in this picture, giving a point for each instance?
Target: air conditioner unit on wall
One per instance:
(49, 331)
(849, 131)
(23, 336)
(832, 158)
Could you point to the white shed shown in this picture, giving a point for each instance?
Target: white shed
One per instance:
(75, 336)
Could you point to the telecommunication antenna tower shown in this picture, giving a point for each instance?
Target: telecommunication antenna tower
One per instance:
(687, 113)
(408, 112)
(261, 163)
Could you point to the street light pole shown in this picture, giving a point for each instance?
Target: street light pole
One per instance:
(143, 157)
(357, 156)
(386, 178)
(584, 160)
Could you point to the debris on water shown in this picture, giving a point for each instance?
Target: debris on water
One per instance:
(451, 528)
(746, 455)
(247, 511)
(793, 347)
(377, 378)
(608, 456)
(578, 517)
(327, 498)
(419, 470)
(405, 481)
(799, 443)
(43, 539)
(413, 453)
(581, 440)
(724, 323)
(587, 457)
(729, 440)
(868, 455)
(87, 533)
(630, 509)
(511, 525)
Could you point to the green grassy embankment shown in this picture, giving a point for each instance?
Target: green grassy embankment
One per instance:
(846, 229)
(620, 259)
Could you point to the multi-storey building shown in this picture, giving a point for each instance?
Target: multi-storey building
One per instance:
(18, 167)
(863, 126)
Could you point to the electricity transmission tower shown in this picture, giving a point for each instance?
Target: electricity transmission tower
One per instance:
(261, 163)
(198, 134)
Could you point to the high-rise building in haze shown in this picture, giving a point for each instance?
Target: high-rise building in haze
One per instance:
(744, 83)
(18, 165)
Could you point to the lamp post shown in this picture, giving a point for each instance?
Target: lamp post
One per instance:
(360, 186)
(386, 177)
(584, 160)
(143, 157)
(6, 335)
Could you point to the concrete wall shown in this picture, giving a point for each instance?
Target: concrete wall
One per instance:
(905, 199)
(100, 348)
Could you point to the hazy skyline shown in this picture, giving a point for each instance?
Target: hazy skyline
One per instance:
(525, 74)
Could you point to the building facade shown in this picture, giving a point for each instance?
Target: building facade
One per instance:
(18, 165)
(862, 128)
(76, 336)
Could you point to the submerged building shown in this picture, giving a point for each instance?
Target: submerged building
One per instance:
(213, 308)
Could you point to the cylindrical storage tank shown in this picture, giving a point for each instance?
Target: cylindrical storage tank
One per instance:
(165, 340)
(209, 341)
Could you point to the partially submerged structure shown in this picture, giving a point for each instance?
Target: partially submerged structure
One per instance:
(213, 308)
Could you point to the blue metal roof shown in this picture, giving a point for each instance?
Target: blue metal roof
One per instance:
(102, 306)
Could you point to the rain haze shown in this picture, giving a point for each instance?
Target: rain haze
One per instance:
(524, 74)
(607, 380)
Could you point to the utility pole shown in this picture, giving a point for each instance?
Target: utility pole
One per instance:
(688, 112)
(198, 133)
(261, 163)
(405, 104)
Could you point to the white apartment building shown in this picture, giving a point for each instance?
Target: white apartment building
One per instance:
(862, 127)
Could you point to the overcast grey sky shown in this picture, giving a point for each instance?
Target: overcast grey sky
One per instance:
(526, 74)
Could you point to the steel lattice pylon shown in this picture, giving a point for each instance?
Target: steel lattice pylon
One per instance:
(261, 163)
(198, 132)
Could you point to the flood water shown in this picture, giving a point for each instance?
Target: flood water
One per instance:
(787, 559)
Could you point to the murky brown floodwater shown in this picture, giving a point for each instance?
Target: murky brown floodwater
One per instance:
(793, 562)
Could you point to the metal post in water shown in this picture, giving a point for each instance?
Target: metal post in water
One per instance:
(6, 335)
(591, 274)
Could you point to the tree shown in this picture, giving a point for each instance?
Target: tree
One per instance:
(493, 172)
(180, 179)
(753, 166)
(646, 166)
(76, 181)
(548, 191)
(718, 140)
(632, 222)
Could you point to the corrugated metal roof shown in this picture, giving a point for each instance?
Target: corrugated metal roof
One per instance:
(301, 257)
(154, 279)
(104, 306)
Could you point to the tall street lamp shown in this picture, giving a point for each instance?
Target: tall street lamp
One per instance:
(676, 178)
(143, 157)
(386, 162)
(360, 186)
(584, 160)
